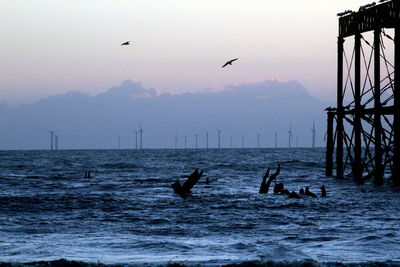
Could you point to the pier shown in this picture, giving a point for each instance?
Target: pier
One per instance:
(365, 124)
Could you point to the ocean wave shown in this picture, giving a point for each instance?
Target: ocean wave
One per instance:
(118, 165)
(61, 214)
(300, 263)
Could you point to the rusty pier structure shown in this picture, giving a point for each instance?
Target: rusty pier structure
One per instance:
(365, 124)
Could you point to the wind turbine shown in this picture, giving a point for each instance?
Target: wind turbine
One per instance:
(207, 133)
(290, 136)
(185, 141)
(119, 142)
(140, 135)
(230, 140)
(136, 133)
(297, 141)
(56, 140)
(196, 135)
(51, 138)
(176, 141)
(276, 139)
(242, 141)
(258, 140)
(314, 133)
(219, 138)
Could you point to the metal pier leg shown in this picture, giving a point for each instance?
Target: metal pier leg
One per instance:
(330, 143)
(357, 167)
(396, 119)
(339, 143)
(377, 109)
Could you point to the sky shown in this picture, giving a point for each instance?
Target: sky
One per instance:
(50, 47)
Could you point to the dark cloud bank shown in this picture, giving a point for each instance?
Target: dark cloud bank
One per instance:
(85, 121)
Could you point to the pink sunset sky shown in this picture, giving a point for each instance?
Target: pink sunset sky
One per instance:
(49, 47)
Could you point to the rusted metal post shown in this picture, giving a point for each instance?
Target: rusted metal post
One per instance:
(340, 114)
(330, 143)
(357, 165)
(396, 119)
(377, 109)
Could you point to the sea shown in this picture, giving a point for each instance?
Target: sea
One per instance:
(126, 213)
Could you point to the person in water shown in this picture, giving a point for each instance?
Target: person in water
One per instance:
(294, 195)
(309, 193)
(273, 177)
(323, 191)
(184, 190)
(263, 186)
(285, 192)
(87, 174)
(278, 188)
(302, 191)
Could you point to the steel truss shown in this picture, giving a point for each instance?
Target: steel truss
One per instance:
(367, 115)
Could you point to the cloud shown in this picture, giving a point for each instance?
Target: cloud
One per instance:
(129, 89)
(86, 121)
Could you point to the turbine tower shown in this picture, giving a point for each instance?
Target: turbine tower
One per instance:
(314, 133)
(140, 136)
(136, 139)
(196, 135)
(51, 139)
(297, 141)
(230, 141)
(219, 138)
(290, 136)
(276, 139)
(56, 140)
(185, 141)
(258, 140)
(242, 141)
(176, 141)
(207, 139)
(119, 142)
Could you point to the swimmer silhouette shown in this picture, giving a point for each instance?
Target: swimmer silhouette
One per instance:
(263, 186)
(87, 175)
(285, 192)
(278, 188)
(301, 191)
(323, 191)
(272, 177)
(126, 43)
(309, 193)
(294, 195)
(184, 190)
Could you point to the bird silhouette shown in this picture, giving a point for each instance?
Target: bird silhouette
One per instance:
(229, 62)
(126, 43)
(330, 109)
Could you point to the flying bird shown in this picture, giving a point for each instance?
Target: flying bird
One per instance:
(229, 62)
(126, 43)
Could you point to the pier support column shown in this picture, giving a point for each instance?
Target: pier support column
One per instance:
(357, 165)
(339, 143)
(330, 143)
(396, 104)
(378, 109)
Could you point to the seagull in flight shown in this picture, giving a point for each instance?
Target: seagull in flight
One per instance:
(126, 43)
(229, 62)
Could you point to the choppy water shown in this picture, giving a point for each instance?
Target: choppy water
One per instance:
(127, 212)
